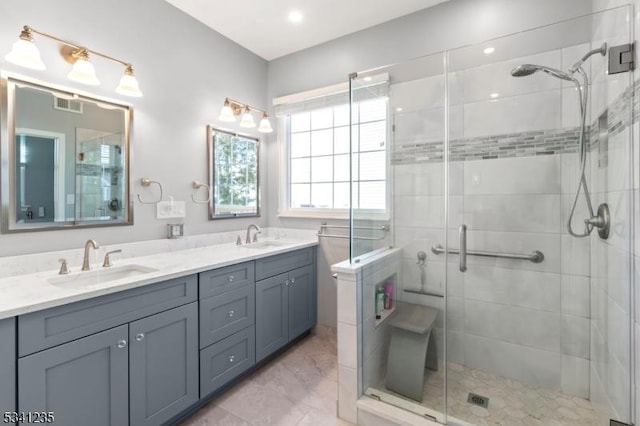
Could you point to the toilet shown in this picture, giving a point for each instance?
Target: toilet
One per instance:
(412, 348)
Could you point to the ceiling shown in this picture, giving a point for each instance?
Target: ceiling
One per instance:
(263, 26)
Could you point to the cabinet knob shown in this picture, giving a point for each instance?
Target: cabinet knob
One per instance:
(293, 280)
(286, 282)
(232, 358)
(122, 344)
(230, 278)
(230, 313)
(139, 337)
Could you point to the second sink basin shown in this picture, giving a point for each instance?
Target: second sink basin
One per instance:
(266, 244)
(99, 276)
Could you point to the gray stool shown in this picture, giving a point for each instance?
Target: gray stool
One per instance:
(412, 348)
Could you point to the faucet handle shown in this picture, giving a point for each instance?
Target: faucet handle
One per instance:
(238, 241)
(64, 268)
(255, 236)
(107, 259)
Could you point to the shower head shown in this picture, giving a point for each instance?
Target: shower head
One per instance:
(528, 69)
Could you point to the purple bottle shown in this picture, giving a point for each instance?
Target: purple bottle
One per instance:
(388, 295)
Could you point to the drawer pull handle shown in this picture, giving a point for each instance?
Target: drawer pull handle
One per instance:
(230, 278)
(139, 337)
(122, 344)
(232, 358)
(230, 313)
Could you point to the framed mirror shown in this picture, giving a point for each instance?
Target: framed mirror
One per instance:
(233, 174)
(65, 158)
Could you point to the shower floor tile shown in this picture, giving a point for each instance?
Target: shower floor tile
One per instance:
(510, 402)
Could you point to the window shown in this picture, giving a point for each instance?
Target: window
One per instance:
(318, 157)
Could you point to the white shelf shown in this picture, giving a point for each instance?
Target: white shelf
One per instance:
(386, 313)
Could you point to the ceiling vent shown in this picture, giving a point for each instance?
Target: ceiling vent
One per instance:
(68, 105)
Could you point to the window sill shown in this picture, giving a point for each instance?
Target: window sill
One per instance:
(331, 214)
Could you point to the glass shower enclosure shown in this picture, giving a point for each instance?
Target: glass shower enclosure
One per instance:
(529, 325)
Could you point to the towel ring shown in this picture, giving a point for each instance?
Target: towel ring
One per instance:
(148, 182)
(197, 185)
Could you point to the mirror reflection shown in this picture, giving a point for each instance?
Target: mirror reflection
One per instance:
(233, 174)
(68, 160)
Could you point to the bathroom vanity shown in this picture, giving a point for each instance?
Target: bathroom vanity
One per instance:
(150, 353)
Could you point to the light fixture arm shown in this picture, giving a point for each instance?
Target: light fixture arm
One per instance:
(27, 34)
(238, 107)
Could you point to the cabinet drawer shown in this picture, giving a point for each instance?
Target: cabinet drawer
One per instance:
(223, 315)
(52, 327)
(225, 360)
(274, 265)
(224, 279)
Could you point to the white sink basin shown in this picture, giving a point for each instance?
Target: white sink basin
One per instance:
(263, 245)
(99, 276)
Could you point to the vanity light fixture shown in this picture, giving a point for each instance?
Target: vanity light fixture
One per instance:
(232, 108)
(247, 119)
(25, 53)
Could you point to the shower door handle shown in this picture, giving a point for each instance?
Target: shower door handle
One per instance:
(463, 247)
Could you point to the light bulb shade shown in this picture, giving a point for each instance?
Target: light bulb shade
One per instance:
(83, 72)
(247, 120)
(226, 114)
(25, 54)
(265, 126)
(129, 86)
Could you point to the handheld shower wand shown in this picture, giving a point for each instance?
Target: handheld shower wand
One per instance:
(601, 219)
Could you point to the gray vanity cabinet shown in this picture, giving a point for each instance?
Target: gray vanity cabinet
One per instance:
(285, 303)
(84, 382)
(128, 358)
(7, 365)
(163, 365)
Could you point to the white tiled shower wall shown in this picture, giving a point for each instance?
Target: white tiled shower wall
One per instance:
(511, 317)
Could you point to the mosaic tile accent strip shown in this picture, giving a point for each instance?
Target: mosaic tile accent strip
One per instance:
(620, 114)
(526, 144)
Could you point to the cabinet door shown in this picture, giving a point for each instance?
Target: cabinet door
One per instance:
(301, 300)
(272, 321)
(163, 367)
(8, 365)
(84, 382)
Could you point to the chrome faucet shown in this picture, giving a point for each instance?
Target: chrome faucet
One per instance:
(255, 236)
(85, 260)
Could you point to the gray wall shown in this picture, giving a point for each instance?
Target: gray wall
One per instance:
(185, 71)
(448, 25)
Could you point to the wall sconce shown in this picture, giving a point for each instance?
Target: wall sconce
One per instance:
(25, 53)
(232, 108)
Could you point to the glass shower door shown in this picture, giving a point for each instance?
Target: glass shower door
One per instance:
(538, 320)
(412, 96)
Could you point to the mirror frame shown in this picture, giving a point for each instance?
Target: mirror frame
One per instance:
(211, 159)
(8, 222)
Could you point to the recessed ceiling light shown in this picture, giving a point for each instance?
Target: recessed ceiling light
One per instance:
(295, 16)
(489, 50)
(367, 79)
(399, 109)
(494, 95)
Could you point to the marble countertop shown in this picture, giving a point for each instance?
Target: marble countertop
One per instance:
(33, 292)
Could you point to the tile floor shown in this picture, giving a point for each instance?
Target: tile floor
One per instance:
(511, 403)
(298, 388)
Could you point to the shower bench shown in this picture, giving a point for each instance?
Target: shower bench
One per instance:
(412, 347)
